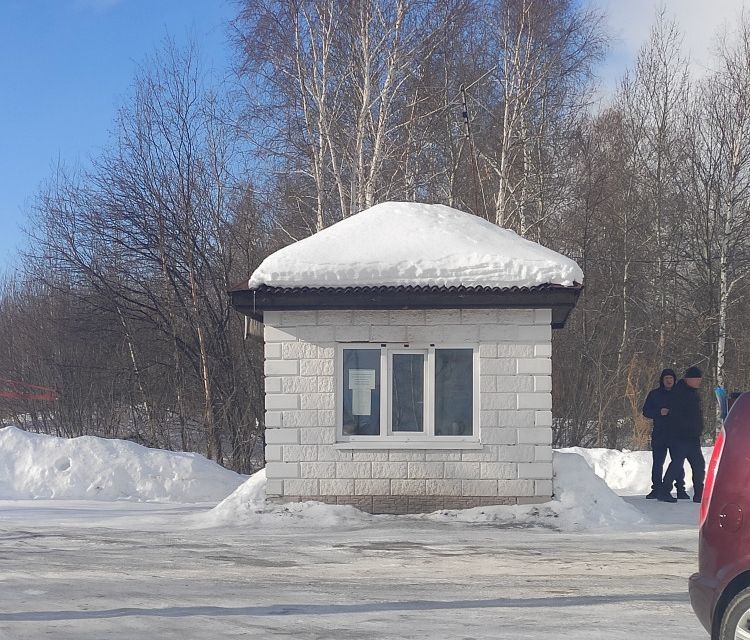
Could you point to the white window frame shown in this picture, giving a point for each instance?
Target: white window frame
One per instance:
(387, 350)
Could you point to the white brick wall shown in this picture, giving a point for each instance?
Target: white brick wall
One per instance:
(515, 406)
(442, 487)
(396, 470)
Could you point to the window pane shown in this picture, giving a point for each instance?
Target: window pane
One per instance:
(408, 392)
(454, 392)
(361, 392)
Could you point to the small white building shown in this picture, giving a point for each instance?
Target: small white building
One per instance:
(408, 361)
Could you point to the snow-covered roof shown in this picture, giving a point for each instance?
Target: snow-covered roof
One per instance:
(407, 244)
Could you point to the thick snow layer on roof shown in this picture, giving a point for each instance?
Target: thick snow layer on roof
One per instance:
(415, 244)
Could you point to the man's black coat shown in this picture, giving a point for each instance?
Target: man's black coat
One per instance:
(685, 419)
(658, 399)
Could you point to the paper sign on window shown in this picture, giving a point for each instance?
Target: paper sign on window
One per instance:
(361, 383)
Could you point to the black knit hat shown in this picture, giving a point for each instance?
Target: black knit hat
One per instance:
(693, 372)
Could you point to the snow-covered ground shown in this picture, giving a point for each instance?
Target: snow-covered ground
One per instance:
(627, 473)
(587, 565)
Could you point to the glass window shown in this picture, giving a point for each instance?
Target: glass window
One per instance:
(361, 392)
(425, 393)
(454, 392)
(407, 392)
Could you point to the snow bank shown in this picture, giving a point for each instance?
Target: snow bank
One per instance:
(583, 501)
(40, 466)
(34, 466)
(247, 500)
(410, 243)
(247, 507)
(627, 473)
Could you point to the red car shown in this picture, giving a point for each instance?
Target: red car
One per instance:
(720, 591)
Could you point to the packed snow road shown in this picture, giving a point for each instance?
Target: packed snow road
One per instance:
(83, 570)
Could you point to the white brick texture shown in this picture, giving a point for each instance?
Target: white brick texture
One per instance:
(446, 333)
(272, 350)
(420, 470)
(387, 333)
(317, 334)
(543, 488)
(282, 401)
(500, 401)
(408, 487)
(273, 419)
(337, 487)
(273, 334)
(300, 452)
(515, 401)
(274, 488)
(316, 367)
(535, 435)
(353, 333)
(372, 487)
(396, 470)
(273, 453)
(498, 470)
(538, 366)
(281, 367)
(434, 487)
(279, 470)
(317, 435)
(299, 384)
(298, 318)
(479, 487)
(272, 318)
(535, 470)
(535, 400)
(499, 435)
(354, 470)
(408, 318)
(536, 333)
(302, 487)
(543, 419)
(515, 488)
(282, 436)
(317, 469)
(273, 385)
(543, 350)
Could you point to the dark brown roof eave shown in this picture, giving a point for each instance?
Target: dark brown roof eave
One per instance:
(561, 299)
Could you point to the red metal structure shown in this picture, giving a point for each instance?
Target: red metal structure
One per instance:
(14, 390)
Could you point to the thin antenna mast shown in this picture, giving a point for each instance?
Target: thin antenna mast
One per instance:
(472, 151)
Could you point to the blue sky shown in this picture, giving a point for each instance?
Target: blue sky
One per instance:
(66, 66)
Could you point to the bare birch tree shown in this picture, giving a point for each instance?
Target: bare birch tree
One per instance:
(721, 181)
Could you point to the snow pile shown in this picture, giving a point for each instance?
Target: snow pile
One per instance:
(246, 500)
(583, 501)
(627, 473)
(247, 506)
(410, 243)
(40, 466)
(34, 466)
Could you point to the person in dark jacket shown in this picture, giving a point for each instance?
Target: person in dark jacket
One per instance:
(656, 408)
(685, 430)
